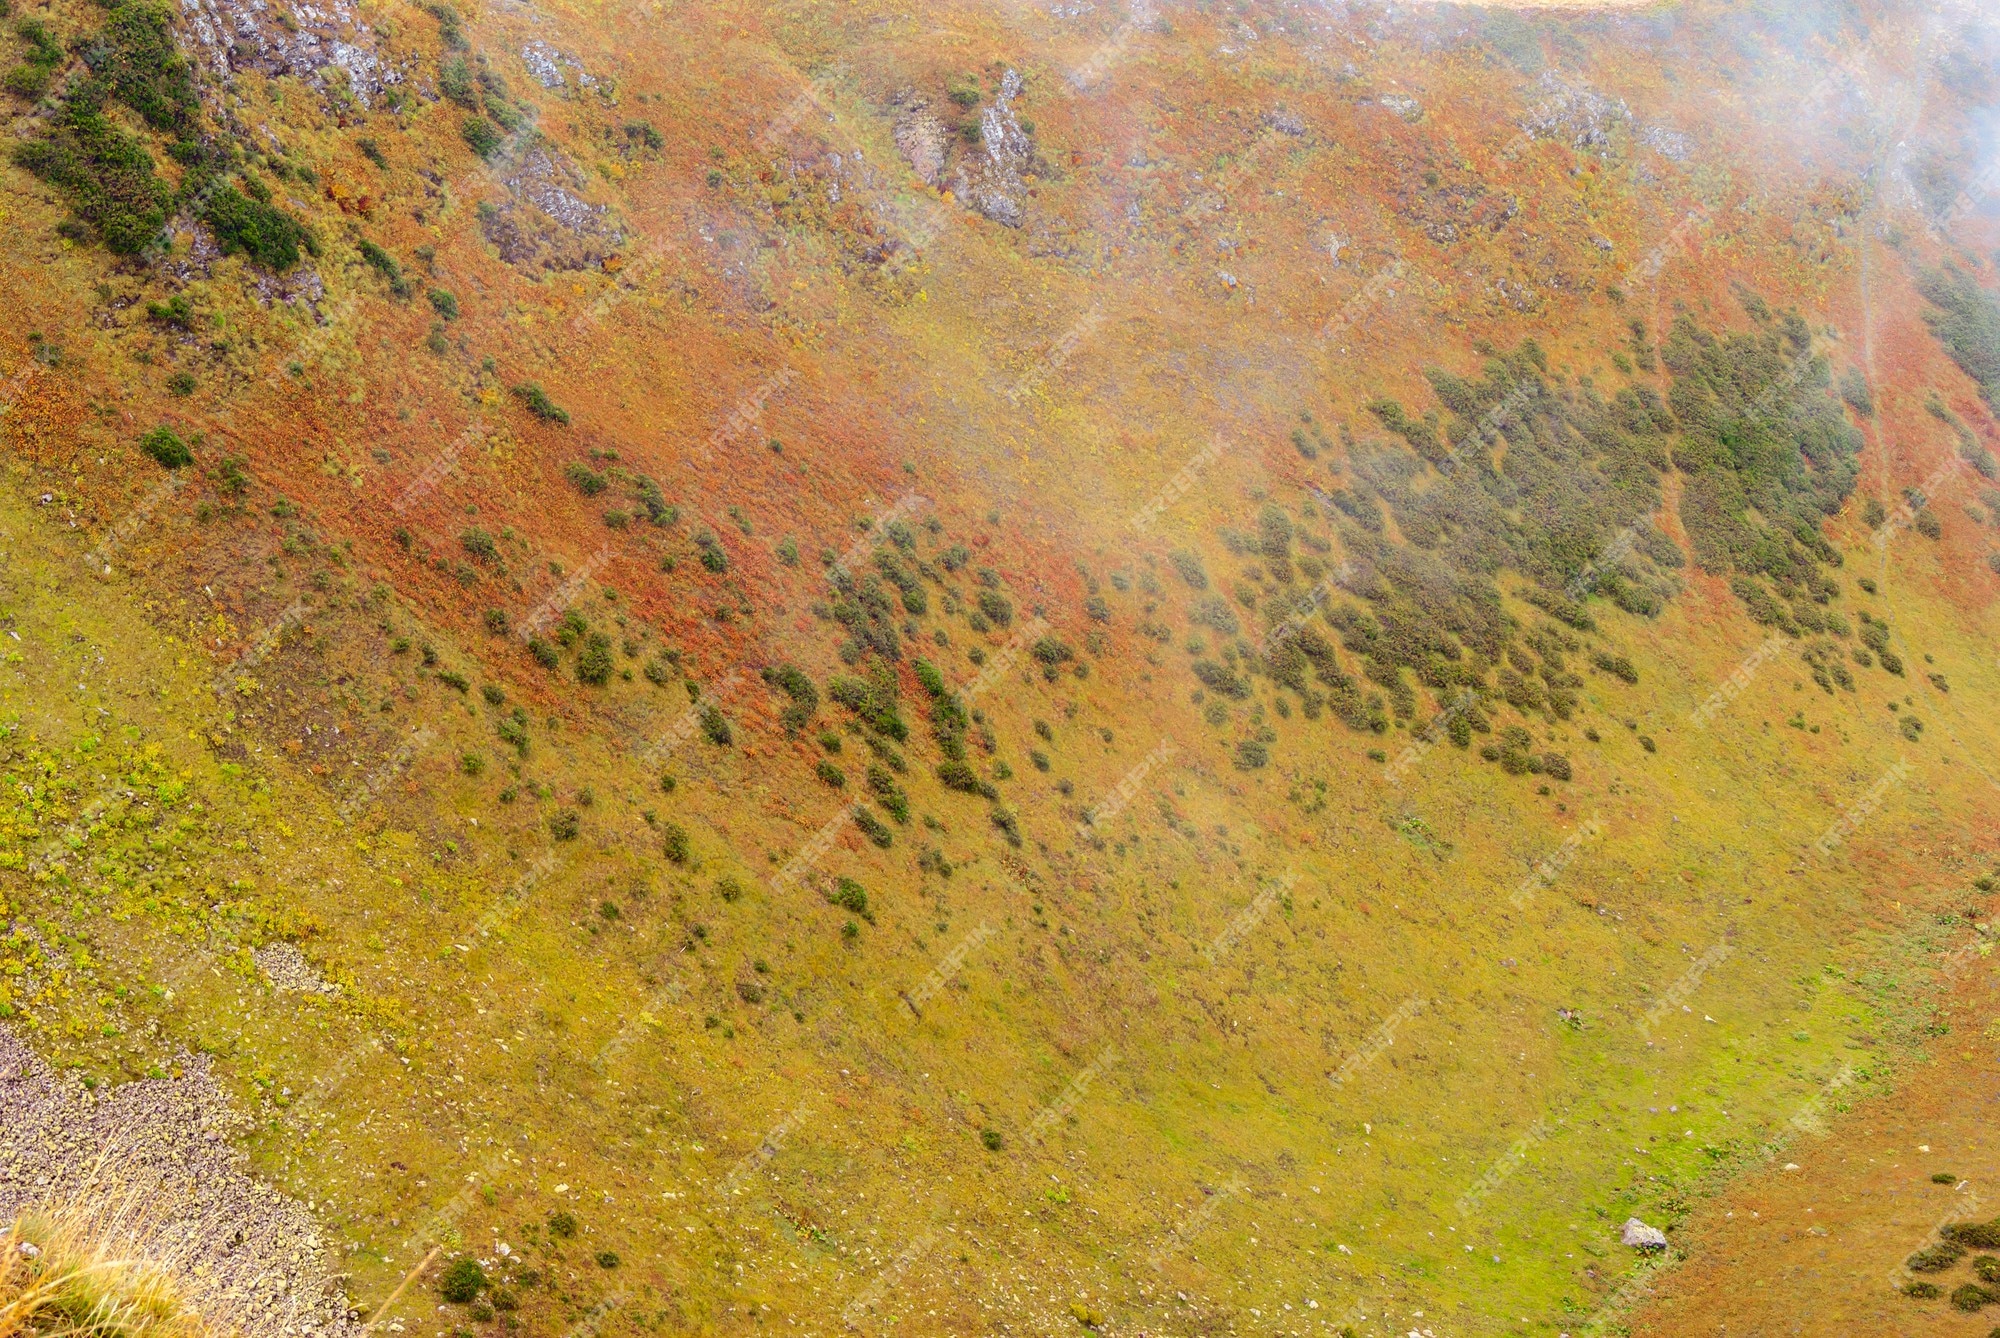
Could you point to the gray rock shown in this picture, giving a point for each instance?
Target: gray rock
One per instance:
(1642, 1237)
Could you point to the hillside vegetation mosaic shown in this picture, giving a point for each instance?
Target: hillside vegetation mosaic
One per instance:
(1142, 667)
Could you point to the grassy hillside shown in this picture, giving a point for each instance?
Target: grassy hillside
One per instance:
(952, 668)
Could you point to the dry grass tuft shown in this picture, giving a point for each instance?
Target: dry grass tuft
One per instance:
(99, 1268)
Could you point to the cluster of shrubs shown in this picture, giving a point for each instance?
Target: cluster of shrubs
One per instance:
(1943, 1255)
(1746, 419)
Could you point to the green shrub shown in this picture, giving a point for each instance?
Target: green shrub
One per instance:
(593, 662)
(481, 136)
(851, 896)
(480, 544)
(794, 683)
(1935, 1258)
(1971, 1296)
(540, 405)
(176, 311)
(674, 842)
(957, 775)
(562, 1225)
(830, 774)
(545, 654)
(444, 303)
(585, 479)
(1973, 1235)
(1967, 323)
(462, 1281)
(472, 764)
(266, 234)
(565, 824)
(713, 557)
(1618, 666)
(514, 729)
(1986, 1268)
(1052, 651)
(1923, 1291)
(996, 606)
(872, 828)
(104, 173)
(715, 726)
(181, 384)
(992, 1139)
(166, 447)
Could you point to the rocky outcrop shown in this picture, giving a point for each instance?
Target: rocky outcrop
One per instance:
(991, 180)
(328, 45)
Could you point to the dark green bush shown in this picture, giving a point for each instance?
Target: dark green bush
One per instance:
(957, 775)
(1971, 1296)
(384, 264)
(872, 828)
(1973, 1235)
(565, 823)
(715, 727)
(795, 684)
(545, 654)
(1937, 1257)
(830, 774)
(997, 607)
(166, 447)
(562, 1225)
(593, 662)
(1967, 323)
(674, 842)
(104, 173)
(462, 1281)
(540, 405)
(713, 557)
(851, 896)
(587, 480)
(480, 544)
(481, 136)
(175, 311)
(268, 235)
(513, 729)
(1618, 666)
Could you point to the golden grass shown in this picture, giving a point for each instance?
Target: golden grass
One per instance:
(98, 1268)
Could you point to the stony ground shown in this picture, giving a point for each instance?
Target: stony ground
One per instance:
(252, 1256)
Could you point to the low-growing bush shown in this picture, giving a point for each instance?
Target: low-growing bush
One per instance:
(166, 447)
(593, 662)
(1935, 1258)
(462, 1281)
(851, 896)
(674, 842)
(540, 405)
